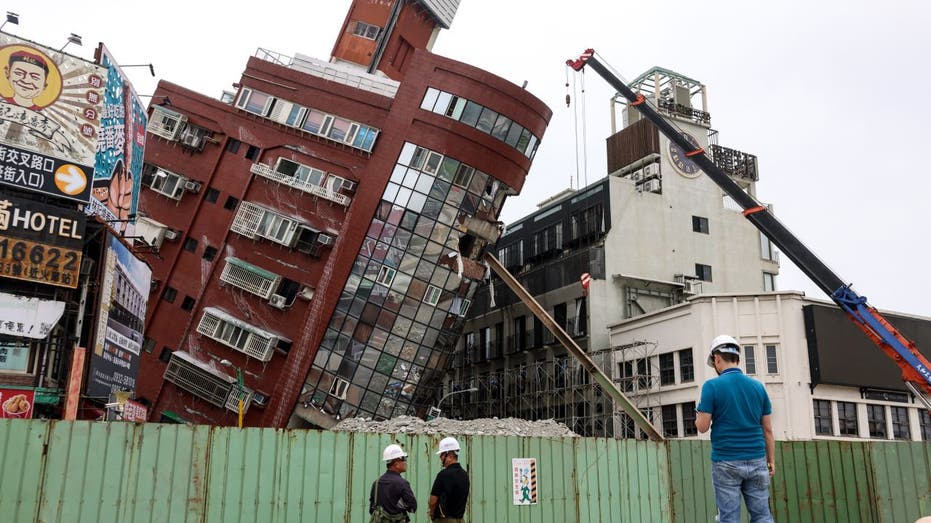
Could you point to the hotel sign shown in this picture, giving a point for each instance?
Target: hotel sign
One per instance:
(40, 243)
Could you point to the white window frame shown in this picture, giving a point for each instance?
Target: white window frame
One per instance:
(161, 177)
(432, 296)
(239, 276)
(386, 275)
(250, 218)
(166, 123)
(232, 400)
(775, 354)
(246, 94)
(237, 334)
(339, 388)
(769, 282)
(363, 29)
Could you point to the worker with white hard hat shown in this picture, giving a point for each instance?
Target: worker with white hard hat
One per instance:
(391, 498)
(739, 413)
(451, 487)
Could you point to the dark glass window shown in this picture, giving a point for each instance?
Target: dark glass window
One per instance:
(252, 153)
(188, 303)
(148, 345)
(686, 367)
(924, 423)
(626, 370)
(772, 366)
(170, 294)
(876, 419)
(165, 355)
(210, 253)
(670, 422)
(749, 359)
(900, 429)
(667, 369)
(823, 421)
(847, 418)
(688, 419)
(190, 245)
(700, 224)
(211, 195)
(231, 203)
(232, 146)
(471, 113)
(703, 272)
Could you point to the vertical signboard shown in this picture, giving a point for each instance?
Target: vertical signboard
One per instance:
(75, 379)
(524, 478)
(16, 403)
(50, 105)
(40, 242)
(118, 165)
(124, 289)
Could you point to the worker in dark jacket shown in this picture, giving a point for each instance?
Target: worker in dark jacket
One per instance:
(391, 495)
(450, 488)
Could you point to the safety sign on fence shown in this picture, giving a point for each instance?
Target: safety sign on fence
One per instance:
(524, 477)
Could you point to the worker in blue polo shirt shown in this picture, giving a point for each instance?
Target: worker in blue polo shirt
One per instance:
(737, 410)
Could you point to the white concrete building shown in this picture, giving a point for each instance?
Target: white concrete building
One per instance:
(825, 378)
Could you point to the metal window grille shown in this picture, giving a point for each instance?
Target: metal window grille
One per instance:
(197, 380)
(247, 219)
(238, 335)
(239, 275)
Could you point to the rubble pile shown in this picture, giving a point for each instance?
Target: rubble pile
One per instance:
(450, 427)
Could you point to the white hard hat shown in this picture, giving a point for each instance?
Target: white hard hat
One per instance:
(448, 444)
(393, 452)
(723, 344)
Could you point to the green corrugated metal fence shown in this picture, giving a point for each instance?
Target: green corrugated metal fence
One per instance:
(84, 471)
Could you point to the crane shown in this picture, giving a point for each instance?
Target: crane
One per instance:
(916, 370)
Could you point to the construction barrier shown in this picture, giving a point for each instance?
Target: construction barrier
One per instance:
(122, 472)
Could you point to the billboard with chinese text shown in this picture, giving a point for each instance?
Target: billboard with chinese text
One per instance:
(120, 146)
(40, 242)
(124, 290)
(50, 105)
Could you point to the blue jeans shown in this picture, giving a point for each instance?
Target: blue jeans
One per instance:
(747, 477)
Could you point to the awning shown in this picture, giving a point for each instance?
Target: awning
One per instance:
(255, 269)
(174, 417)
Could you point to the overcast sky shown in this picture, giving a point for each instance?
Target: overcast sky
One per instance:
(830, 95)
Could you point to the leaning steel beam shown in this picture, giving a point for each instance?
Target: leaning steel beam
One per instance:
(600, 377)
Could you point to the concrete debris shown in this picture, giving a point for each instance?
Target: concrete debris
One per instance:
(450, 427)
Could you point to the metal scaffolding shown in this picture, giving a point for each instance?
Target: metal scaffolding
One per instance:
(557, 388)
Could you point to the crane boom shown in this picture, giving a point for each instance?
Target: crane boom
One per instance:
(916, 370)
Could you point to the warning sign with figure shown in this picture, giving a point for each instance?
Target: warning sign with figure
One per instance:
(524, 478)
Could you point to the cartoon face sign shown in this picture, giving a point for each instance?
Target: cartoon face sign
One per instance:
(30, 78)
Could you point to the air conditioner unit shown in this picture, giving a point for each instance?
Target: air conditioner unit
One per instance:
(172, 234)
(637, 175)
(192, 140)
(348, 186)
(307, 293)
(651, 170)
(651, 186)
(192, 186)
(325, 239)
(278, 301)
(691, 287)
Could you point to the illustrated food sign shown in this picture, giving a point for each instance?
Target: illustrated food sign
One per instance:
(39, 242)
(124, 291)
(524, 477)
(120, 147)
(50, 106)
(16, 403)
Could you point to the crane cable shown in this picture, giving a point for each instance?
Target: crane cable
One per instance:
(580, 136)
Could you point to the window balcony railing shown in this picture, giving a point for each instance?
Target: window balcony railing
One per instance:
(291, 181)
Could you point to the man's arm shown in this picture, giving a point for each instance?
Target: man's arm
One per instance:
(705, 408)
(407, 495)
(431, 505)
(372, 499)
(767, 423)
(702, 421)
